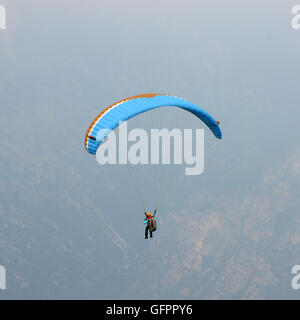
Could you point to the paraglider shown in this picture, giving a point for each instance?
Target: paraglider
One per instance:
(111, 117)
(150, 223)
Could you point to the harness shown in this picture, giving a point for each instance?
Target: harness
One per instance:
(152, 224)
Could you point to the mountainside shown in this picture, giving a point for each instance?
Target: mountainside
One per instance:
(239, 248)
(56, 240)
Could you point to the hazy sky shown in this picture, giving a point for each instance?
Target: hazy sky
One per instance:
(62, 62)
